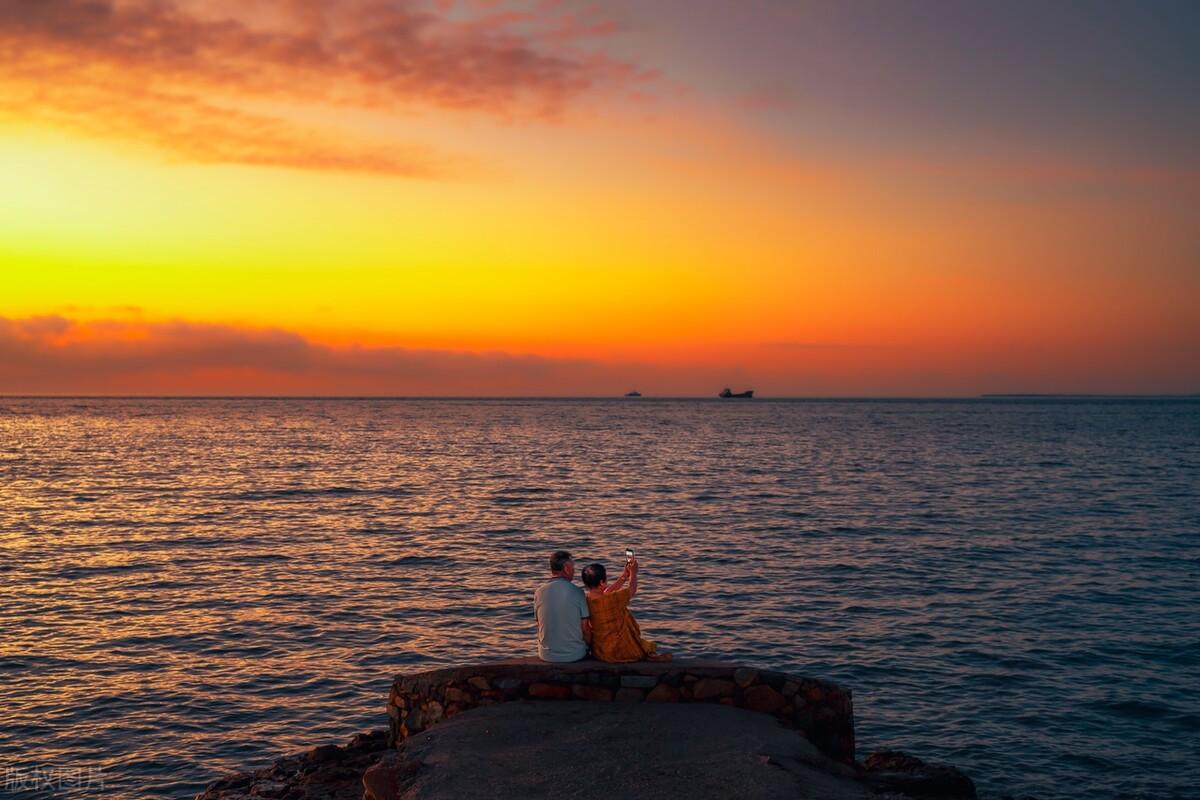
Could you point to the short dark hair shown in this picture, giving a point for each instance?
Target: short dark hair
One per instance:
(594, 575)
(559, 560)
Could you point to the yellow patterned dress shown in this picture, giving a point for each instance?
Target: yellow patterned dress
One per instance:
(615, 633)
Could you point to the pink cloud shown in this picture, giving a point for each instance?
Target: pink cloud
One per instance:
(186, 75)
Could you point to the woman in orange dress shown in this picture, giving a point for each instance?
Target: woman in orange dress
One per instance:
(615, 633)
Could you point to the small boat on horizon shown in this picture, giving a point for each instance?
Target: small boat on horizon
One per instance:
(634, 393)
(727, 394)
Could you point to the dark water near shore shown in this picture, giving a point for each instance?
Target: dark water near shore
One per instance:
(189, 587)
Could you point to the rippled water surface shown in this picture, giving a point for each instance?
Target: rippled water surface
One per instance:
(188, 587)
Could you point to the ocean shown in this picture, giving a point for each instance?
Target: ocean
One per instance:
(193, 587)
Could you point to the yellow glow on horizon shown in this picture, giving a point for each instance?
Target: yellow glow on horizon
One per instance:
(408, 259)
(683, 261)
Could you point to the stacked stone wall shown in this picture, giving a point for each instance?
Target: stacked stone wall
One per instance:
(822, 711)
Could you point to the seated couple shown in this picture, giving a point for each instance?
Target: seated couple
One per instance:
(571, 623)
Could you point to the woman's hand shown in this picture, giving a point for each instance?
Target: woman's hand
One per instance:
(621, 580)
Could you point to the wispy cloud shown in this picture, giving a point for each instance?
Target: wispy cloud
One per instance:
(793, 345)
(130, 355)
(193, 76)
(57, 355)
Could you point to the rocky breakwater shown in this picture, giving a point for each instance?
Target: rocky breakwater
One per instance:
(686, 729)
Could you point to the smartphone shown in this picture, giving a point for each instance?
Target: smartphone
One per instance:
(628, 555)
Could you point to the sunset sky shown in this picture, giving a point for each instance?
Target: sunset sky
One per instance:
(478, 197)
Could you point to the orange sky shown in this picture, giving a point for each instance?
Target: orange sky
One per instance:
(552, 198)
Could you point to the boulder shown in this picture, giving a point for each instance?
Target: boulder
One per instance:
(323, 754)
(663, 693)
(367, 742)
(712, 688)
(387, 777)
(763, 699)
(454, 695)
(898, 772)
(550, 691)
(508, 685)
(744, 676)
(326, 772)
(597, 694)
(639, 681)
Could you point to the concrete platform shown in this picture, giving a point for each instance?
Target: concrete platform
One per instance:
(586, 750)
(819, 710)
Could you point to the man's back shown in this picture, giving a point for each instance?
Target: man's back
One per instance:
(560, 607)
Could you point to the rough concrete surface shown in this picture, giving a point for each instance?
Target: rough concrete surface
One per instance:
(615, 750)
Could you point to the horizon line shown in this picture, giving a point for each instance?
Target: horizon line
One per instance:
(981, 396)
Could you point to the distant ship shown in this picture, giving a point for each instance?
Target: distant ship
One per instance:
(634, 393)
(728, 395)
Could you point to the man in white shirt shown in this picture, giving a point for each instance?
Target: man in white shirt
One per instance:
(564, 629)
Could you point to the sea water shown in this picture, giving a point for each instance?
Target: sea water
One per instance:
(191, 587)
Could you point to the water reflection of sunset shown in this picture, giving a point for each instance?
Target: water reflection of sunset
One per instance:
(247, 575)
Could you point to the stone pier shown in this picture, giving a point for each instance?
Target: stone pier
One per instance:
(819, 710)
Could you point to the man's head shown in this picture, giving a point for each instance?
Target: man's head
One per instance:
(561, 564)
(594, 575)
